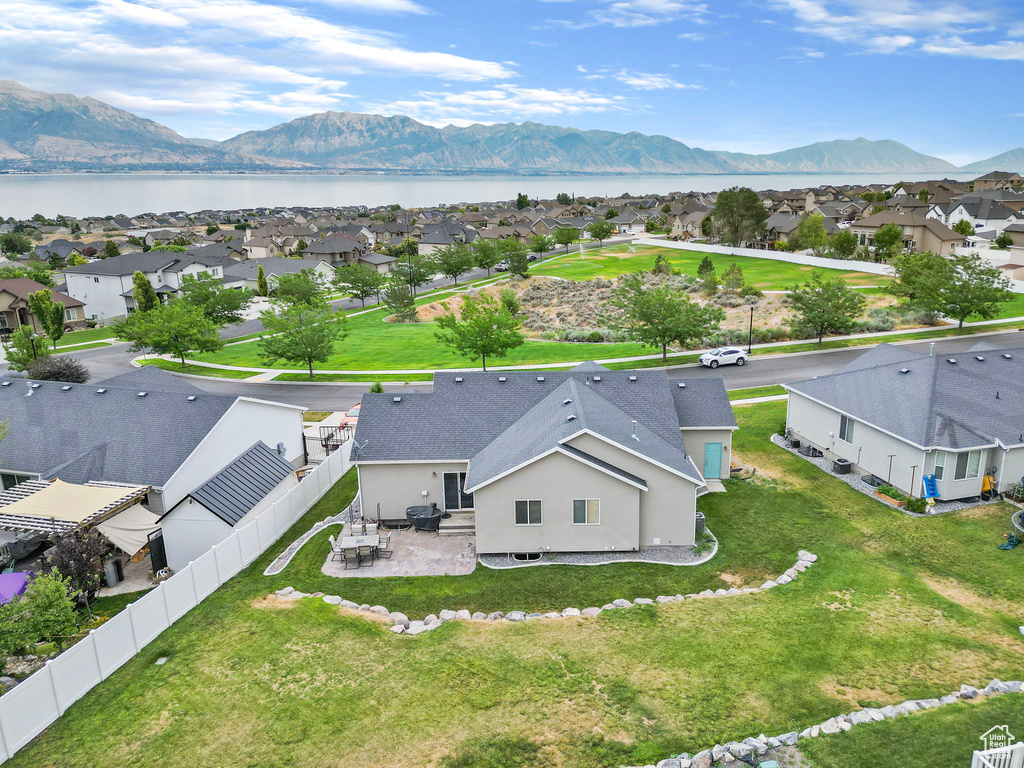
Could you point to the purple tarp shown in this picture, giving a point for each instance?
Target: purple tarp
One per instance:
(13, 584)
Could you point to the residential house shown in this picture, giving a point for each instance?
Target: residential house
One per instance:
(585, 460)
(15, 311)
(150, 428)
(261, 248)
(630, 223)
(920, 234)
(245, 274)
(982, 213)
(1016, 233)
(161, 237)
(336, 250)
(686, 226)
(60, 248)
(105, 286)
(999, 180)
(952, 417)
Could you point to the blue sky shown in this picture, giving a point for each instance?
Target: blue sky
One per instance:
(741, 75)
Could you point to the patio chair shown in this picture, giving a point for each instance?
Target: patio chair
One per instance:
(365, 555)
(335, 549)
(358, 528)
(369, 528)
(351, 555)
(384, 548)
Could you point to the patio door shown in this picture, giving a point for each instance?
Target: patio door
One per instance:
(454, 497)
(712, 460)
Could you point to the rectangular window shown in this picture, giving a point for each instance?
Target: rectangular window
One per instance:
(940, 464)
(967, 465)
(9, 481)
(586, 512)
(71, 314)
(528, 512)
(455, 497)
(846, 429)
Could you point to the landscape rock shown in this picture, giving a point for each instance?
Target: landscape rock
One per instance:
(535, 615)
(996, 686)
(553, 615)
(792, 573)
(398, 617)
(664, 599)
(701, 759)
(349, 604)
(364, 607)
(608, 607)
(788, 739)
(844, 725)
(380, 609)
(643, 601)
(590, 611)
(718, 752)
(783, 579)
(1014, 686)
(397, 629)
(446, 615)
(875, 714)
(332, 599)
(8, 682)
(720, 592)
(810, 557)
(830, 726)
(928, 703)
(910, 706)
(706, 593)
(768, 584)
(859, 718)
(415, 627)
(621, 603)
(733, 591)
(668, 763)
(889, 711)
(949, 699)
(431, 617)
(968, 692)
(479, 615)
(801, 565)
(773, 742)
(285, 591)
(571, 611)
(495, 616)
(741, 751)
(515, 615)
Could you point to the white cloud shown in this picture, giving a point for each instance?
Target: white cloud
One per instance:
(1006, 50)
(646, 81)
(889, 43)
(694, 37)
(639, 13)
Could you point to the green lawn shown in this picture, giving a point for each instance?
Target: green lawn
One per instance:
(175, 367)
(766, 274)
(741, 394)
(896, 608)
(385, 378)
(85, 335)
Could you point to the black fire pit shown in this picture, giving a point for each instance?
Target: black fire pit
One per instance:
(424, 518)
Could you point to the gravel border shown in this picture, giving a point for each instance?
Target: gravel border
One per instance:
(652, 555)
(854, 481)
(281, 561)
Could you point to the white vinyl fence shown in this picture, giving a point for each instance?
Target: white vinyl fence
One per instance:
(793, 258)
(28, 708)
(1004, 757)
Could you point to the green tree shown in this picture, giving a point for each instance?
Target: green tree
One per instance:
(484, 327)
(825, 306)
(55, 261)
(563, 198)
(77, 555)
(888, 241)
(143, 293)
(541, 244)
(22, 349)
(975, 287)
(376, 388)
(45, 612)
(510, 301)
(75, 260)
(920, 278)
(810, 234)
(661, 265)
(224, 306)
(416, 269)
(662, 315)
(516, 255)
(843, 244)
(301, 245)
(262, 286)
(58, 368)
(732, 278)
(610, 214)
(1003, 241)
(666, 208)
(305, 287)
(707, 276)
(566, 236)
(49, 313)
(486, 254)
(212, 229)
(454, 260)
(739, 215)
(14, 243)
(399, 299)
(301, 333)
(173, 248)
(175, 328)
(963, 227)
(924, 195)
(38, 272)
(522, 201)
(359, 281)
(600, 230)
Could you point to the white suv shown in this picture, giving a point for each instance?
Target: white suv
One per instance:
(723, 356)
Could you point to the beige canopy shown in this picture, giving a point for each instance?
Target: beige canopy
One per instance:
(46, 507)
(129, 530)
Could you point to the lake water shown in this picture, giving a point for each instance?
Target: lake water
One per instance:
(22, 195)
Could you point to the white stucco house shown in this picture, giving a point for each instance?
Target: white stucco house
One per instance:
(904, 416)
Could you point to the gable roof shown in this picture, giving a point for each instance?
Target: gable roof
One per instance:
(150, 261)
(23, 287)
(242, 484)
(929, 401)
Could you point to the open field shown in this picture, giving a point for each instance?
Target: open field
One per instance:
(766, 274)
(896, 608)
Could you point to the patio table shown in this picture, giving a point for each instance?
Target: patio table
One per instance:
(366, 540)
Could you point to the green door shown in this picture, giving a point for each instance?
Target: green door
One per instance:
(713, 460)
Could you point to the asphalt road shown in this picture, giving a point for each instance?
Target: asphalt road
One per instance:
(105, 362)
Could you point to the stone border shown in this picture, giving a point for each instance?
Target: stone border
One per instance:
(401, 624)
(714, 551)
(281, 561)
(749, 749)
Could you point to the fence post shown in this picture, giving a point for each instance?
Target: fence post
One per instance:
(131, 624)
(195, 589)
(167, 610)
(53, 685)
(4, 735)
(96, 653)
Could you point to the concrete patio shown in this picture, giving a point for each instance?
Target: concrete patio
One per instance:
(416, 553)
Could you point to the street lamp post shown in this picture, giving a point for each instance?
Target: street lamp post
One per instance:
(750, 331)
(32, 338)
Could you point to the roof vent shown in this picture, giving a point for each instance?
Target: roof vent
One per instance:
(597, 378)
(567, 401)
(458, 379)
(540, 378)
(191, 398)
(5, 384)
(571, 417)
(1007, 356)
(904, 370)
(396, 400)
(632, 378)
(35, 386)
(979, 358)
(100, 391)
(65, 388)
(952, 361)
(503, 379)
(142, 394)
(681, 385)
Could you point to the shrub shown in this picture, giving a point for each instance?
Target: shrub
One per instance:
(892, 493)
(917, 506)
(595, 336)
(728, 300)
(751, 294)
(58, 368)
(509, 301)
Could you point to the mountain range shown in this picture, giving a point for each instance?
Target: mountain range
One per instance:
(43, 131)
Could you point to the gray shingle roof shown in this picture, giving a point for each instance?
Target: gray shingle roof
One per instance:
(702, 402)
(272, 265)
(150, 261)
(930, 401)
(80, 434)
(242, 484)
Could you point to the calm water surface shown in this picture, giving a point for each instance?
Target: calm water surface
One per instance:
(130, 194)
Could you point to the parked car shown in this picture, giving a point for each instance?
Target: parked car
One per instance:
(501, 266)
(723, 356)
(351, 417)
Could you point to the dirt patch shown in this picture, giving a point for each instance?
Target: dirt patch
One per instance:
(732, 579)
(843, 601)
(857, 697)
(272, 603)
(430, 312)
(957, 593)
